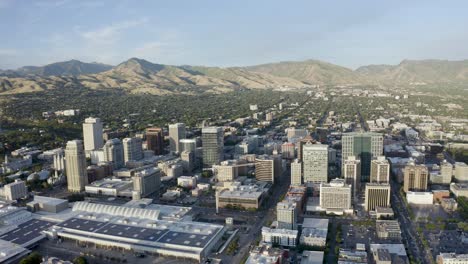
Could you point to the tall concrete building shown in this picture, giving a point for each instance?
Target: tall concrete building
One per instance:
(352, 174)
(335, 195)
(288, 151)
(377, 195)
(188, 160)
(296, 173)
(15, 190)
(146, 182)
(176, 133)
(155, 140)
(364, 146)
(286, 215)
(301, 143)
(461, 172)
(114, 152)
(446, 171)
(416, 178)
(132, 149)
(315, 163)
(213, 145)
(92, 134)
(380, 170)
(265, 168)
(188, 144)
(75, 164)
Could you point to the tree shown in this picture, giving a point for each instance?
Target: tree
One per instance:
(80, 260)
(33, 258)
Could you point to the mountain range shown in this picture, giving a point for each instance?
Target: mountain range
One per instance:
(141, 76)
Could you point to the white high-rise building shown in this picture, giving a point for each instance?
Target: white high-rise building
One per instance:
(213, 145)
(380, 170)
(335, 195)
(92, 134)
(188, 144)
(296, 172)
(113, 152)
(461, 172)
(352, 173)
(146, 182)
(176, 133)
(315, 163)
(446, 172)
(286, 215)
(15, 190)
(75, 164)
(132, 148)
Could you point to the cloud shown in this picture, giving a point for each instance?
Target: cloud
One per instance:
(111, 33)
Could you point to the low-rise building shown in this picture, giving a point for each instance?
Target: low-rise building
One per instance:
(312, 257)
(47, 204)
(117, 187)
(419, 197)
(266, 254)
(241, 196)
(187, 181)
(389, 253)
(352, 256)
(282, 237)
(314, 232)
(459, 189)
(388, 229)
(452, 258)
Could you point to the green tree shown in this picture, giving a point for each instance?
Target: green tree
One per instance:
(33, 258)
(80, 260)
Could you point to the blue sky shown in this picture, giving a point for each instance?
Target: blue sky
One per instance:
(231, 33)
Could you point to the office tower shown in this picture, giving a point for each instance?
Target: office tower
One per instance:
(213, 145)
(188, 160)
(446, 171)
(461, 172)
(176, 133)
(296, 173)
(286, 215)
(146, 182)
(92, 134)
(15, 190)
(416, 177)
(335, 195)
(132, 149)
(113, 152)
(226, 171)
(75, 165)
(331, 156)
(59, 161)
(352, 174)
(301, 143)
(377, 195)
(321, 134)
(364, 146)
(265, 168)
(155, 140)
(188, 144)
(380, 170)
(315, 162)
(288, 151)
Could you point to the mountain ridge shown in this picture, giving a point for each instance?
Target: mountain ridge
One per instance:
(137, 75)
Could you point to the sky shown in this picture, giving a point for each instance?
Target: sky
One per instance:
(231, 33)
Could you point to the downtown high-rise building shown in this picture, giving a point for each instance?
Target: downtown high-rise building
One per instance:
(364, 146)
(380, 170)
(188, 144)
(75, 164)
(296, 173)
(315, 163)
(416, 178)
(286, 215)
(92, 134)
(265, 168)
(301, 143)
(114, 152)
(176, 133)
(352, 173)
(213, 145)
(377, 195)
(335, 195)
(155, 140)
(132, 149)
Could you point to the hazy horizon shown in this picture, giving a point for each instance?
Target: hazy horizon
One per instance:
(209, 33)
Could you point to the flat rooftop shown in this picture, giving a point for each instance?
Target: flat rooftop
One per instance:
(27, 232)
(317, 223)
